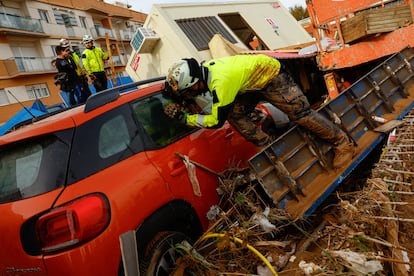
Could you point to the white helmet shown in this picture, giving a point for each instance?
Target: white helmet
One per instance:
(63, 42)
(86, 39)
(179, 77)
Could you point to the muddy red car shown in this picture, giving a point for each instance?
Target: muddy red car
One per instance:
(73, 182)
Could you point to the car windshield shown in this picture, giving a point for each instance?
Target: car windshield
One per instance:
(34, 166)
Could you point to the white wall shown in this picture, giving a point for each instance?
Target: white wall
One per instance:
(174, 44)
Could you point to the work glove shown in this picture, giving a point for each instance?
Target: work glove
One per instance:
(175, 111)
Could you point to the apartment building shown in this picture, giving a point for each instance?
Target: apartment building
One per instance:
(29, 32)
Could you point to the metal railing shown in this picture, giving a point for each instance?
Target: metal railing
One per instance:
(101, 31)
(117, 60)
(126, 35)
(17, 65)
(20, 23)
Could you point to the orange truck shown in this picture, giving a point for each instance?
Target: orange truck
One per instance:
(364, 32)
(366, 29)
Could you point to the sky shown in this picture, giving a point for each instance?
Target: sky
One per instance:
(145, 5)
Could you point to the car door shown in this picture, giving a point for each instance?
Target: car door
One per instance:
(216, 149)
(108, 159)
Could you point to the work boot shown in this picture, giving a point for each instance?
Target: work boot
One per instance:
(343, 154)
(325, 129)
(344, 150)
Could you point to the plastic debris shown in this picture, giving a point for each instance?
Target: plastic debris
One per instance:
(213, 213)
(406, 259)
(392, 136)
(359, 261)
(309, 268)
(263, 221)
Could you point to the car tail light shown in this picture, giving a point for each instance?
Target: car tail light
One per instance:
(73, 223)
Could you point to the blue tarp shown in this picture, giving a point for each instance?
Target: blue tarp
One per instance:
(38, 108)
(119, 81)
(27, 113)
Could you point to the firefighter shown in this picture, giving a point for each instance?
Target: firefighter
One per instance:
(93, 59)
(67, 78)
(237, 83)
(86, 92)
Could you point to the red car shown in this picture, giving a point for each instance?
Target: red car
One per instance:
(73, 182)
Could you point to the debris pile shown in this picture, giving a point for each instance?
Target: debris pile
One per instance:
(363, 231)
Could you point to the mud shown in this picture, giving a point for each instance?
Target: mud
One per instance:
(366, 227)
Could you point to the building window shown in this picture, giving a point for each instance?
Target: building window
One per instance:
(4, 100)
(70, 20)
(201, 30)
(44, 15)
(67, 19)
(37, 91)
(82, 21)
(58, 18)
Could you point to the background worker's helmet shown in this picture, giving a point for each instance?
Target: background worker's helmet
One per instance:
(63, 42)
(86, 39)
(180, 77)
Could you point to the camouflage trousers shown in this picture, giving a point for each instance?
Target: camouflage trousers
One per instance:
(286, 95)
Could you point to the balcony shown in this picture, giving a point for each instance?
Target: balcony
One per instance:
(101, 31)
(126, 35)
(118, 61)
(19, 65)
(20, 23)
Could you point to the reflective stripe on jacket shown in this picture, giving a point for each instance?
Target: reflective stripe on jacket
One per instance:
(230, 76)
(93, 59)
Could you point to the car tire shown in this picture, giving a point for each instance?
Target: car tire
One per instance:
(160, 255)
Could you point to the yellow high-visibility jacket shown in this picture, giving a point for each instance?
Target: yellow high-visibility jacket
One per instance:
(93, 59)
(76, 59)
(230, 76)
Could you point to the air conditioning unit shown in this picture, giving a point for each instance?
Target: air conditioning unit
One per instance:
(144, 40)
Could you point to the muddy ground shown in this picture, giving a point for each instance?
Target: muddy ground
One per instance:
(365, 228)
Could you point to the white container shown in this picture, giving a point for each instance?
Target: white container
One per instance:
(379, 119)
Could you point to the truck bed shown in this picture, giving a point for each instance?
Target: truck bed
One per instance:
(295, 170)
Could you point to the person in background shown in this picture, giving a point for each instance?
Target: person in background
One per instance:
(237, 83)
(67, 77)
(63, 42)
(93, 60)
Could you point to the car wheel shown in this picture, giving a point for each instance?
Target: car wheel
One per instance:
(161, 255)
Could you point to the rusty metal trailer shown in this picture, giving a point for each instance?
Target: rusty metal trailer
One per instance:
(295, 170)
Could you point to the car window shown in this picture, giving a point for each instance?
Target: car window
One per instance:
(28, 166)
(162, 130)
(104, 141)
(34, 166)
(113, 137)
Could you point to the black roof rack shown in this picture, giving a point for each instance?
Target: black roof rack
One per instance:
(109, 95)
